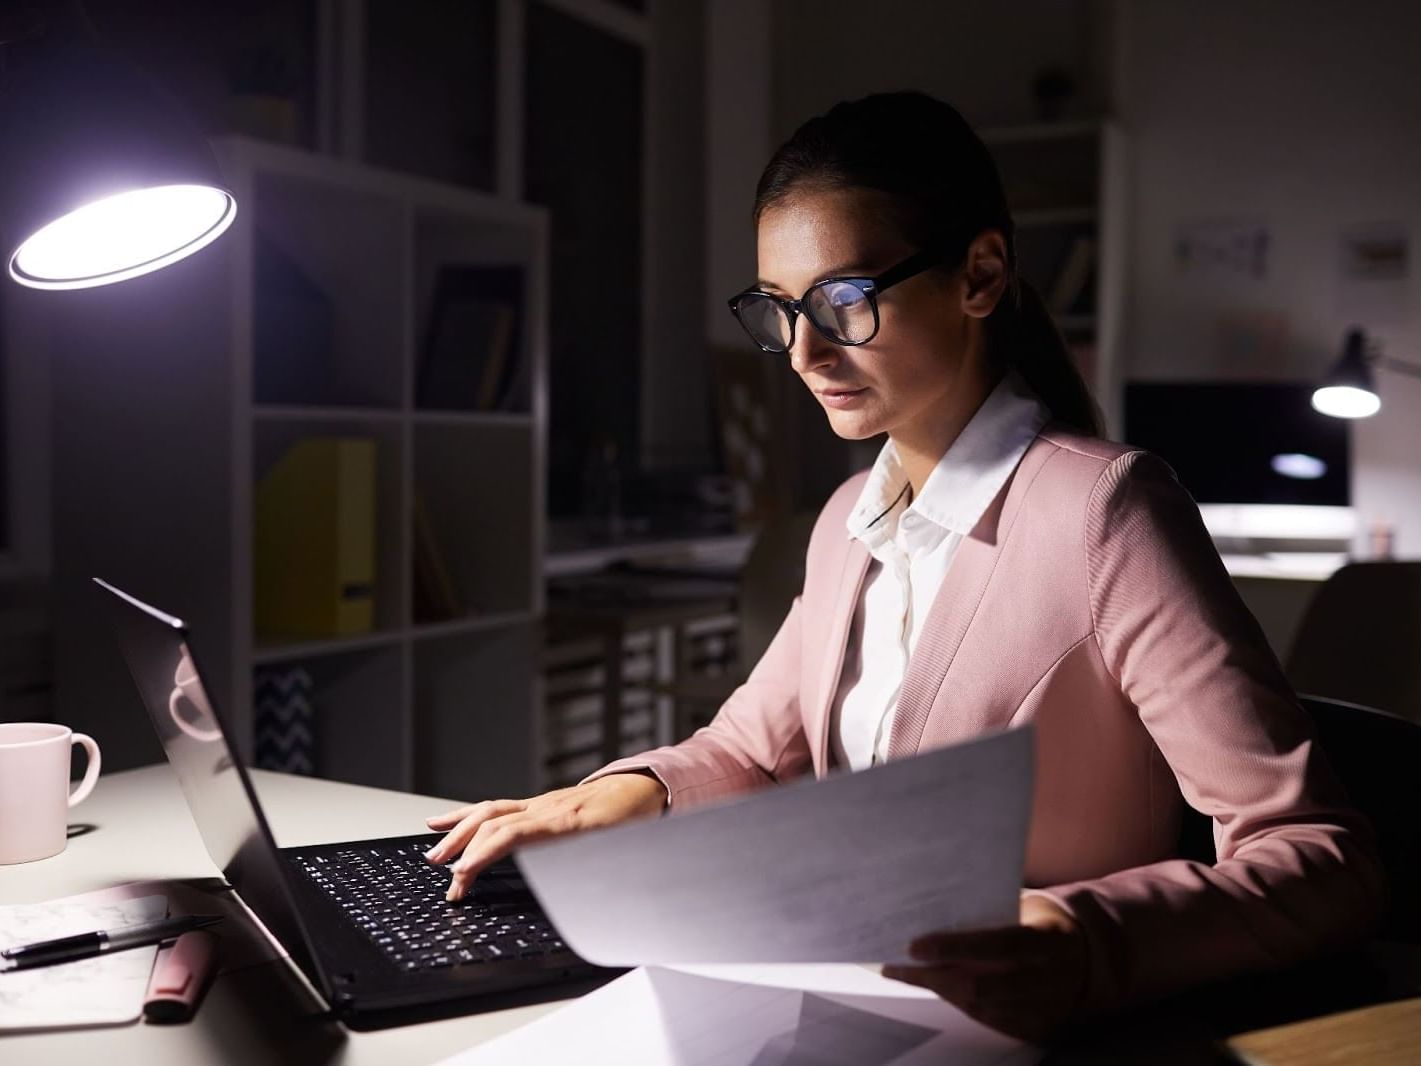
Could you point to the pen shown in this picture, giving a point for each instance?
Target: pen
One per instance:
(99, 942)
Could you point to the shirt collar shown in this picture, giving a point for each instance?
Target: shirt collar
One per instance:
(966, 479)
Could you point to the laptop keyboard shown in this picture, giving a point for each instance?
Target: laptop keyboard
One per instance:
(396, 898)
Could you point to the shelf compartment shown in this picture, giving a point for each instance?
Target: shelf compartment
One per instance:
(474, 298)
(472, 555)
(272, 439)
(327, 329)
(358, 734)
(1060, 262)
(474, 714)
(1051, 174)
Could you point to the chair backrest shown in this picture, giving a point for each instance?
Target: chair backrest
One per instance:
(1360, 639)
(1377, 756)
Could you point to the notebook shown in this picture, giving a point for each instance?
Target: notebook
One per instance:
(106, 990)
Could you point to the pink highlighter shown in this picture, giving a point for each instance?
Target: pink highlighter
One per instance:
(180, 977)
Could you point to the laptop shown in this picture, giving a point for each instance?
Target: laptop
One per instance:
(365, 920)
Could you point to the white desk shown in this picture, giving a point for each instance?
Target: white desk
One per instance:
(262, 1014)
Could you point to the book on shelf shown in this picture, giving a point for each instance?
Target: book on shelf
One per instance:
(496, 361)
(285, 719)
(314, 540)
(472, 340)
(436, 598)
(1074, 276)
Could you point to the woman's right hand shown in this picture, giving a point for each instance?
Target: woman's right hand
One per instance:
(486, 832)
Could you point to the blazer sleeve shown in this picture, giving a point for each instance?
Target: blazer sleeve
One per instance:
(1296, 868)
(756, 738)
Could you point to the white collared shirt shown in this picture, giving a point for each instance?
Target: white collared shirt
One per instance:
(912, 545)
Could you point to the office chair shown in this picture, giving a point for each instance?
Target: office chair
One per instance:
(1360, 639)
(1377, 756)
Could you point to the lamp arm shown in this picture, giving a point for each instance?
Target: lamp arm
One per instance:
(1401, 366)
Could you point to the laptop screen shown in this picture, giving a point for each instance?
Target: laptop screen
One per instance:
(218, 790)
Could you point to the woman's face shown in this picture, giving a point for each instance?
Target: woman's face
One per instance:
(926, 354)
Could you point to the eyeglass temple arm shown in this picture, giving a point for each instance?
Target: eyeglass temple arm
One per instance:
(906, 269)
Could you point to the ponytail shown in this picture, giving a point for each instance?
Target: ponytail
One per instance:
(1022, 336)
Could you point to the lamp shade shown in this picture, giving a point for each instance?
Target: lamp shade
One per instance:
(104, 177)
(1350, 389)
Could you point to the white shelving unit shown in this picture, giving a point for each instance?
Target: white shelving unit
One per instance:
(1066, 181)
(183, 417)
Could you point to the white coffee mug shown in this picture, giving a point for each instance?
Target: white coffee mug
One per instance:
(34, 788)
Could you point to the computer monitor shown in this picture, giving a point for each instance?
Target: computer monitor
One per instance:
(1243, 442)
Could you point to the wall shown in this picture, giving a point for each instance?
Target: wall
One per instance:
(1301, 116)
(981, 58)
(24, 422)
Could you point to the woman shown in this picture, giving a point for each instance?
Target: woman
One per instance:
(1000, 564)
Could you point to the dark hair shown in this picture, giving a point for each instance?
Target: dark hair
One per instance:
(943, 190)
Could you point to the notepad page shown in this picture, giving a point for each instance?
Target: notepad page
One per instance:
(844, 1016)
(106, 990)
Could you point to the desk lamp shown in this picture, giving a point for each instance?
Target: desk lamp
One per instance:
(103, 177)
(1350, 390)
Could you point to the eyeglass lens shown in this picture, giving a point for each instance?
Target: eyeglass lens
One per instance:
(842, 311)
(766, 322)
(839, 309)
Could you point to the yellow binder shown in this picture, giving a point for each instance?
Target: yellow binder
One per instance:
(314, 541)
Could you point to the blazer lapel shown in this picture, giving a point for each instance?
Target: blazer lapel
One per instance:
(856, 560)
(954, 607)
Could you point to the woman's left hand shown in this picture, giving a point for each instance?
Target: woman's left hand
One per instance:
(1023, 980)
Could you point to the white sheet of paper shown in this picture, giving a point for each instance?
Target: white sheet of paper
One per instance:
(754, 1016)
(848, 869)
(107, 990)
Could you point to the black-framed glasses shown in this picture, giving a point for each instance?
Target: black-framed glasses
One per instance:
(844, 310)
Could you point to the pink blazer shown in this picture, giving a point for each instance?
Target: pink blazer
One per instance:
(1090, 601)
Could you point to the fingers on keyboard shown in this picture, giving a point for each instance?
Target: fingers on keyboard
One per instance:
(472, 818)
(394, 898)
